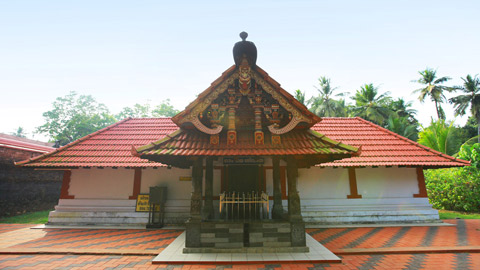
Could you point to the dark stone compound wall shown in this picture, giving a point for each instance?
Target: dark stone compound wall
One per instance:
(25, 190)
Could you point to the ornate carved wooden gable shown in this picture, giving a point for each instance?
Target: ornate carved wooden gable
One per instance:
(245, 101)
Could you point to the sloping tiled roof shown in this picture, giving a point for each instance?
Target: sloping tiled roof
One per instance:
(14, 142)
(111, 146)
(108, 147)
(297, 142)
(380, 146)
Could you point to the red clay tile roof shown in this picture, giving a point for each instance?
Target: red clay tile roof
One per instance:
(380, 146)
(108, 147)
(111, 146)
(194, 143)
(13, 142)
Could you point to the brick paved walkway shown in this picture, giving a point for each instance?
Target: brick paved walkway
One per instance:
(360, 248)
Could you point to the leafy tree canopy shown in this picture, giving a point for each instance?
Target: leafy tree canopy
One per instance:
(471, 98)
(20, 132)
(73, 117)
(164, 109)
(433, 89)
(324, 104)
(300, 96)
(402, 126)
(440, 136)
(371, 105)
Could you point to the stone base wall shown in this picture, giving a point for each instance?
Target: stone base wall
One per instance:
(368, 211)
(270, 234)
(222, 235)
(24, 189)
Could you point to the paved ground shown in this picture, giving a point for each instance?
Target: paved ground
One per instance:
(436, 248)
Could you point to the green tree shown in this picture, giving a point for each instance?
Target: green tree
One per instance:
(403, 109)
(370, 105)
(20, 132)
(471, 98)
(439, 136)
(469, 131)
(144, 110)
(324, 103)
(73, 117)
(433, 89)
(402, 126)
(300, 96)
(164, 109)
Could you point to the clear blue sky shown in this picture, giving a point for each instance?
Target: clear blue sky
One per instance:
(127, 52)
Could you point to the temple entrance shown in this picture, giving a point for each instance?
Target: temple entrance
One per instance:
(243, 178)
(243, 198)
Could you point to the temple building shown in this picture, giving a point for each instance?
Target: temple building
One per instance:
(245, 156)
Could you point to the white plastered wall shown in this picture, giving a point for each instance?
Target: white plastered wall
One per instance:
(391, 182)
(323, 183)
(387, 196)
(101, 183)
(168, 178)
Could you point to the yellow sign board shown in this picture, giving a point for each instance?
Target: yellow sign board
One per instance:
(185, 178)
(142, 203)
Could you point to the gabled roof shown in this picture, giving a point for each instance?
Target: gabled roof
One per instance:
(108, 147)
(219, 86)
(111, 146)
(183, 143)
(24, 144)
(380, 146)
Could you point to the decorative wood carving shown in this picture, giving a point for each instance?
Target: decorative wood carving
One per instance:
(200, 126)
(291, 125)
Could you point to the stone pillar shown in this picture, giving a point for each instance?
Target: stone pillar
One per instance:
(294, 211)
(196, 198)
(297, 226)
(193, 225)
(277, 210)
(208, 212)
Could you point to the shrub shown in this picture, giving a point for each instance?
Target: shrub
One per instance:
(456, 189)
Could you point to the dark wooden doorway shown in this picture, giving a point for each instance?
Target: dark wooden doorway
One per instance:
(243, 178)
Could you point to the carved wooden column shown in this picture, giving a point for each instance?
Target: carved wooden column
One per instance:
(208, 206)
(196, 198)
(294, 211)
(277, 210)
(297, 226)
(192, 238)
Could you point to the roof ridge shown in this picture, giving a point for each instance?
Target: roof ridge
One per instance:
(20, 163)
(412, 142)
(202, 95)
(141, 118)
(333, 142)
(287, 95)
(155, 143)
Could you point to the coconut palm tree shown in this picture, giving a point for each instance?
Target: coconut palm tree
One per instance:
(433, 89)
(438, 136)
(370, 105)
(300, 96)
(402, 126)
(324, 104)
(403, 109)
(471, 88)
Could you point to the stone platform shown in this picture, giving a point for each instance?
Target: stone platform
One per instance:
(245, 236)
(173, 254)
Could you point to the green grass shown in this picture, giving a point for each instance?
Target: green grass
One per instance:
(445, 214)
(39, 217)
